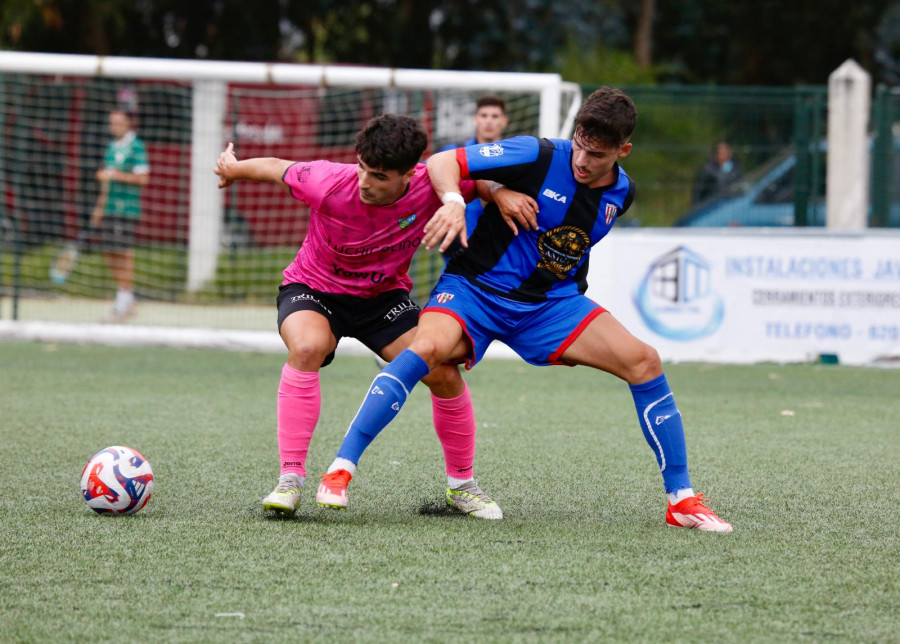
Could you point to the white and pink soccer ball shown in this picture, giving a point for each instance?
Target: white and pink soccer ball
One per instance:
(117, 480)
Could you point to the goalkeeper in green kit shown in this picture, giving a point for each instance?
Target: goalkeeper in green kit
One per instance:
(125, 171)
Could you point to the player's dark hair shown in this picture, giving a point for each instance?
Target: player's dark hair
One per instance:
(607, 117)
(391, 142)
(489, 100)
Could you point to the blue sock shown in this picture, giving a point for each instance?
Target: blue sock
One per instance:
(661, 424)
(387, 394)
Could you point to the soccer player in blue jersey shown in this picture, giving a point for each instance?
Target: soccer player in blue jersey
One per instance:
(524, 285)
(490, 120)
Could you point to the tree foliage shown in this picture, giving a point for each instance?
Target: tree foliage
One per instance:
(768, 42)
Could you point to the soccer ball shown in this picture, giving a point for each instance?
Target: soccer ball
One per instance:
(117, 480)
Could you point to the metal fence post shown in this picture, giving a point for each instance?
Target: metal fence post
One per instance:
(802, 152)
(881, 156)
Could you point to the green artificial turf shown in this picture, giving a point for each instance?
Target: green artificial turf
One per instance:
(802, 459)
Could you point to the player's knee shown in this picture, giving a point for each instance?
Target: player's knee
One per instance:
(645, 366)
(306, 356)
(428, 349)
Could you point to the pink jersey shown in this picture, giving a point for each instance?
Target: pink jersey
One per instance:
(353, 248)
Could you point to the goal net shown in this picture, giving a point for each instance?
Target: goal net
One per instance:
(203, 258)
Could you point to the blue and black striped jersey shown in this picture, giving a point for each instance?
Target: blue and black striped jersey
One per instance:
(552, 261)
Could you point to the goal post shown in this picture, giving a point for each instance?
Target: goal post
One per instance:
(207, 201)
(204, 254)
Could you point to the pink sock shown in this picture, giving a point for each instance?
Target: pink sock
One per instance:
(299, 402)
(454, 423)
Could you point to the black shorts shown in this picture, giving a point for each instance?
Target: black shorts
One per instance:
(115, 234)
(374, 321)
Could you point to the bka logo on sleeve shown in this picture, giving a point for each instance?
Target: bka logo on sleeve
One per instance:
(494, 150)
(676, 298)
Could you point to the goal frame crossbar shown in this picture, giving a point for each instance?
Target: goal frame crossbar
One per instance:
(549, 85)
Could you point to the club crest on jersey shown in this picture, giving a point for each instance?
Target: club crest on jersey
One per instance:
(406, 221)
(562, 249)
(611, 211)
(494, 150)
(443, 298)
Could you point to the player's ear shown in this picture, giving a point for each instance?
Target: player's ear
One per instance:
(625, 150)
(408, 175)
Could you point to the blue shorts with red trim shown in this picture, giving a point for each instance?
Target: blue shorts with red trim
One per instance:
(539, 332)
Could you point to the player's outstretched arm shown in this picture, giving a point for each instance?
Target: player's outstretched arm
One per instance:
(449, 221)
(263, 169)
(444, 172)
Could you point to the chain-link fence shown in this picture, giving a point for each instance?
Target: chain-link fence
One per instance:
(885, 128)
(776, 169)
(774, 176)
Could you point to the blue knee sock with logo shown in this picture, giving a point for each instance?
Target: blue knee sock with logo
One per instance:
(661, 424)
(387, 394)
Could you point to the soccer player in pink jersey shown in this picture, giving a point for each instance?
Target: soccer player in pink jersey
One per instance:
(350, 279)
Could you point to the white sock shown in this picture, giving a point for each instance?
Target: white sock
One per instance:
(342, 464)
(680, 495)
(302, 478)
(124, 300)
(454, 483)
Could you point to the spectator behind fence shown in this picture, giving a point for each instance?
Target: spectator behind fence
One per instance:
(719, 173)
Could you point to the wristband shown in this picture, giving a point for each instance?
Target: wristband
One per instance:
(454, 197)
